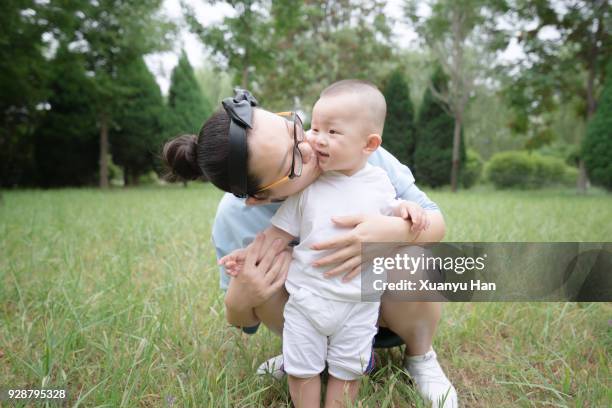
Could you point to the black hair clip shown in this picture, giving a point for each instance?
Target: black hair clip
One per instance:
(240, 111)
(240, 107)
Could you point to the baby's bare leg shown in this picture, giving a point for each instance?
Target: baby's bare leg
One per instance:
(305, 392)
(340, 391)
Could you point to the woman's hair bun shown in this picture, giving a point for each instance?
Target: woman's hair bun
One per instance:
(180, 158)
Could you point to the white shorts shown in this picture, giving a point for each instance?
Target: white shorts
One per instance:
(317, 330)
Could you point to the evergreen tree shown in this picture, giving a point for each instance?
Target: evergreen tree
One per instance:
(66, 140)
(433, 155)
(399, 134)
(189, 108)
(23, 85)
(597, 146)
(140, 121)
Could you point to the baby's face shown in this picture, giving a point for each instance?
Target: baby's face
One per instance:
(337, 133)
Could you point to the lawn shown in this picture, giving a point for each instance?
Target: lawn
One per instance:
(114, 296)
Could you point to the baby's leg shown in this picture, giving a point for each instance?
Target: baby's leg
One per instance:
(304, 351)
(339, 392)
(305, 392)
(349, 354)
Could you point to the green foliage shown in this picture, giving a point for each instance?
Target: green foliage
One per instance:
(242, 41)
(472, 169)
(511, 169)
(597, 146)
(433, 154)
(188, 106)
(66, 141)
(214, 84)
(520, 169)
(560, 74)
(140, 121)
(23, 85)
(399, 135)
(286, 52)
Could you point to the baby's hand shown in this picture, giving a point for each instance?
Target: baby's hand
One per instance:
(233, 262)
(411, 211)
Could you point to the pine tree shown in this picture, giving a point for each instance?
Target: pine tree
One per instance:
(189, 108)
(399, 134)
(140, 121)
(597, 145)
(66, 140)
(433, 155)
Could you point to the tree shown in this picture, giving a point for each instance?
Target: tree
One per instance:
(110, 34)
(286, 52)
(597, 145)
(215, 84)
(240, 40)
(453, 28)
(65, 142)
(433, 155)
(559, 67)
(23, 86)
(399, 133)
(140, 121)
(189, 109)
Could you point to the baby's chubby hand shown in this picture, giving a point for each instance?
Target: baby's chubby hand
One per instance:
(411, 211)
(233, 262)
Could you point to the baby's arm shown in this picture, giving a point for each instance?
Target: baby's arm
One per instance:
(234, 261)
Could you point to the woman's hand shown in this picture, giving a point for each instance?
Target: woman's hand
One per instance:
(257, 281)
(371, 228)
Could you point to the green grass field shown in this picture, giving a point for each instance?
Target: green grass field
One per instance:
(114, 296)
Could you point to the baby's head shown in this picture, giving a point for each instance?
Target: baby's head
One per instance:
(347, 125)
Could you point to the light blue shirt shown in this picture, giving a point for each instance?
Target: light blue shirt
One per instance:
(236, 223)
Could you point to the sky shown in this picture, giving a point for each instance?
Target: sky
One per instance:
(161, 64)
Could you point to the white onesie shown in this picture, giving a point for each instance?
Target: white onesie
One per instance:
(325, 319)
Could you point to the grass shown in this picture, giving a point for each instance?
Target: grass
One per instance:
(114, 296)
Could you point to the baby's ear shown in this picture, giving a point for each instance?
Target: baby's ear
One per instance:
(373, 142)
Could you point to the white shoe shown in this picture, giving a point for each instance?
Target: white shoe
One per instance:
(273, 367)
(430, 381)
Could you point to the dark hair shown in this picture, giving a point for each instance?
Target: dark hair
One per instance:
(191, 157)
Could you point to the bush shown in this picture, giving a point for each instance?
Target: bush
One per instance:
(472, 169)
(511, 169)
(548, 170)
(570, 176)
(518, 169)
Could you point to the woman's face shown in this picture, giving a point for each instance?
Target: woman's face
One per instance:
(271, 150)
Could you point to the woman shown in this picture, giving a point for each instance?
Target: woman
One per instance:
(262, 158)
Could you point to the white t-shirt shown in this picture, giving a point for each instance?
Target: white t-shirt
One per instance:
(307, 215)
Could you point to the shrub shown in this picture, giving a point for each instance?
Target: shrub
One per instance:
(570, 176)
(510, 169)
(472, 169)
(516, 169)
(548, 170)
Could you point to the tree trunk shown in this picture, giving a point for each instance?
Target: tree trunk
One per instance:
(103, 151)
(456, 158)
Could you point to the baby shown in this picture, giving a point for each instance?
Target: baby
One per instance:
(325, 319)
